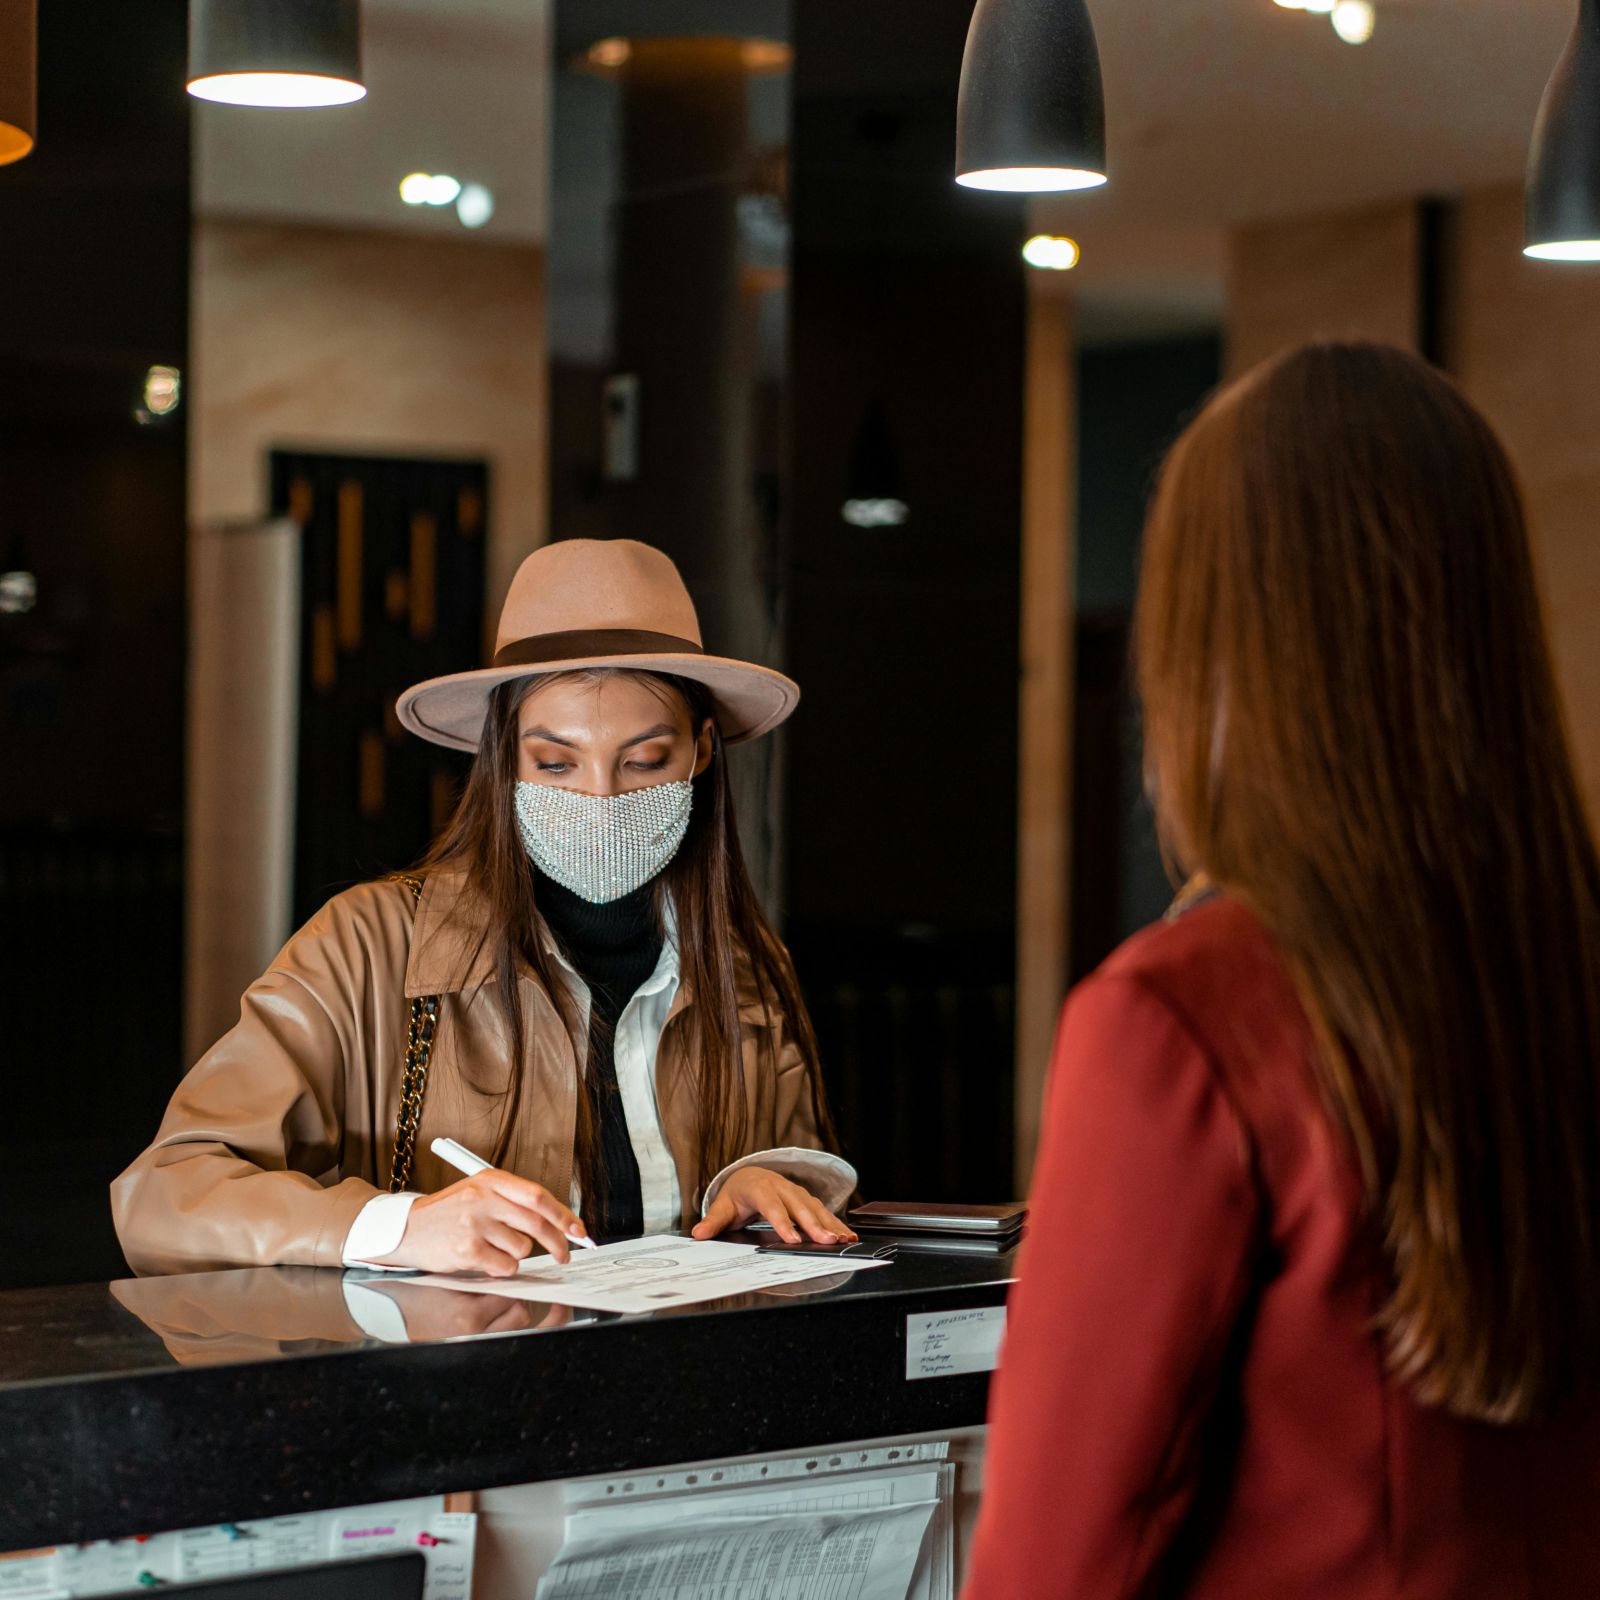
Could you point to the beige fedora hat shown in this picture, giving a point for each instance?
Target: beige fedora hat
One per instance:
(598, 603)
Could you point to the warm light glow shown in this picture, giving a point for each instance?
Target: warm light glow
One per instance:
(429, 189)
(474, 205)
(276, 89)
(1565, 250)
(162, 390)
(1051, 252)
(1321, 7)
(1031, 180)
(1292, 5)
(609, 53)
(756, 56)
(1354, 20)
(15, 143)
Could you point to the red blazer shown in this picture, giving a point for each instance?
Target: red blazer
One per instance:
(1190, 1398)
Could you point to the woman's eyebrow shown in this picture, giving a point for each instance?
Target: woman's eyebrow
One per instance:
(661, 729)
(537, 732)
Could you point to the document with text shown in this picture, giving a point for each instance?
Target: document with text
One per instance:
(652, 1274)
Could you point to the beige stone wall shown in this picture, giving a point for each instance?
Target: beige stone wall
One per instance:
(1348, 275)
(322, 339)
(328, 339)
(1527, 349)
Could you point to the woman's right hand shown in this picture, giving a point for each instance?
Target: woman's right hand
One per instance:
(486, 1223)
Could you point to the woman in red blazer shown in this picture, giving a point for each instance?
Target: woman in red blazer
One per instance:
(1309, 1303)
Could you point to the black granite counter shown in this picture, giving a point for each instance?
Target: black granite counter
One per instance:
(159, 1403)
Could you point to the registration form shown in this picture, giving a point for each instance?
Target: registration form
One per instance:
(651, 1274)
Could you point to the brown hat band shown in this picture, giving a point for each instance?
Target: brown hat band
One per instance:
(580, 644)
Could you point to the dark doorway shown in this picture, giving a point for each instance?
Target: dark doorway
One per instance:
(392, 574)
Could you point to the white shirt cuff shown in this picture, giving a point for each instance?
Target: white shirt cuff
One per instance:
(377, 1231)
(830, 1179)
(375, 1314)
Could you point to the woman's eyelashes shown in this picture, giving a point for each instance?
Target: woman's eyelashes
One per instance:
(556, 767)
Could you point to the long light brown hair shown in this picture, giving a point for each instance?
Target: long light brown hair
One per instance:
(721, 928)
(1351, 723)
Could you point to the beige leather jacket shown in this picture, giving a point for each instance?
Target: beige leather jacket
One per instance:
(284, 1129)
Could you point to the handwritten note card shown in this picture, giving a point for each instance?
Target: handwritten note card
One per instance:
(940, 1344)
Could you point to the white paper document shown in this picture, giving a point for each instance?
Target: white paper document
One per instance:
(782, 1529)
(651, 1274)
(840, 1555)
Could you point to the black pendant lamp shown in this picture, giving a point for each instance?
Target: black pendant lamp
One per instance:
(1031, 115)
(1563, 196)
(18, 78)
(275, 52)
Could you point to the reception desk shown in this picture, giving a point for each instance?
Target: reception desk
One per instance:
(164, 1403)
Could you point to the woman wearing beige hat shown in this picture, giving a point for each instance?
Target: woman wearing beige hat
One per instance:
(578, 983)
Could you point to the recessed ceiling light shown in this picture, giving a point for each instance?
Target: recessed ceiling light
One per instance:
(1051, 252)
(1354, 20)
(428, 189)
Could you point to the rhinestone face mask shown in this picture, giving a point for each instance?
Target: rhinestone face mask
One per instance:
(603, 846)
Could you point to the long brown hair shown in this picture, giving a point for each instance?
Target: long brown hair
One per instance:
(720, 928)
(1351, 723)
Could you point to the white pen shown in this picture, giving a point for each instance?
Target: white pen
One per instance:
(463, 1160)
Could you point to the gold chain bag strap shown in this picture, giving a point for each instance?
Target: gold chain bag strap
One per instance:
(414, 1076)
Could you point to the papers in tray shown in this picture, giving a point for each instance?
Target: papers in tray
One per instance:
(652, 1274)
(873, 1524)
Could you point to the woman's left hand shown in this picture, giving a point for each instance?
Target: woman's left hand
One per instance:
(759, 1192)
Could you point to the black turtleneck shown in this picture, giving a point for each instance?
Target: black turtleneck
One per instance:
(614, 948)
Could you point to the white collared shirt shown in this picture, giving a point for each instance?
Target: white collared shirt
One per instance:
(381, 1223)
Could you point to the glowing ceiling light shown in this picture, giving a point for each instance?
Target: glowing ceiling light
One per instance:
(1292, 5)
(1562, 202)
(1354, 20)
(1031, 180)
(1565, 250)
(474, 205)
(1030, 112)
(428, 189)
(278, 90)
(1322, 8)
(1051, 252)
(266, 53)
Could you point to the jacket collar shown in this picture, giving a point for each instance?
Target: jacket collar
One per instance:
(448, 951)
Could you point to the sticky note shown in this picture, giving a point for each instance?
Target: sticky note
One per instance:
(941, 1344)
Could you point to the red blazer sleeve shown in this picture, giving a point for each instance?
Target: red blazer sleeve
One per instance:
(1136, 1265)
